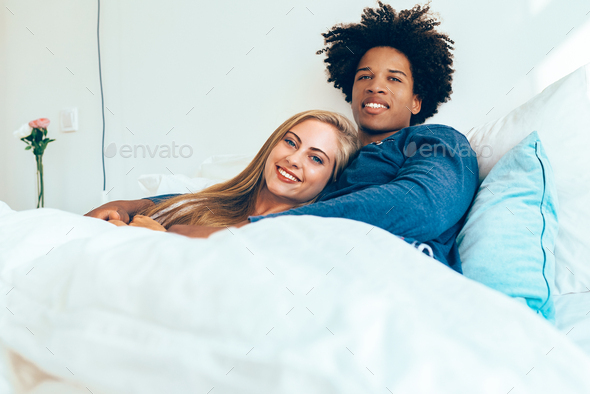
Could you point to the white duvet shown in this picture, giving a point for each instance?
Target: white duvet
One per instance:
(289, 305)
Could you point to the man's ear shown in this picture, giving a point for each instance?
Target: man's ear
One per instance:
(416, 104)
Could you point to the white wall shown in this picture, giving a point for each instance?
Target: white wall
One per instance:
(160, 59)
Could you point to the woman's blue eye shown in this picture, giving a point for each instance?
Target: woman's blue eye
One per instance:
(317, 159)
(363, 77)
(289, 142)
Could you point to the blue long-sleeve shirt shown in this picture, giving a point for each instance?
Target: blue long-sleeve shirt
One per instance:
(417, 184)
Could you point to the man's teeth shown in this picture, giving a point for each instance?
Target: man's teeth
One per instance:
(375, 105)
(287, 175)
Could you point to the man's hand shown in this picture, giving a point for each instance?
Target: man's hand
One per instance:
(119, 210)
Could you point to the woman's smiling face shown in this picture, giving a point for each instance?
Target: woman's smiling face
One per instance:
(302, 163)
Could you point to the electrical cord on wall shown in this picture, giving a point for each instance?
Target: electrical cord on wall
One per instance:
(104, 174)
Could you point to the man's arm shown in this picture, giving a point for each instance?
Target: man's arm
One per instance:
(121, 210)
(428, 196)
(124, 210)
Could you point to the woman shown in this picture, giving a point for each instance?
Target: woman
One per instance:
(299, 159)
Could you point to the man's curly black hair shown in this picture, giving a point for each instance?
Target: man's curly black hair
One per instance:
(411, 32)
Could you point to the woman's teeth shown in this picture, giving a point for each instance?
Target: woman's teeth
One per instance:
(375, 105)
(287, 175)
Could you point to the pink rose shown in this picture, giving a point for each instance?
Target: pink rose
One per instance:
(40, 123)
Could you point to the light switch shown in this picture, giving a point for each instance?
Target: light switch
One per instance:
(68, 119)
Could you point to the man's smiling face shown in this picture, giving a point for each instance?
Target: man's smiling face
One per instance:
(383, 98)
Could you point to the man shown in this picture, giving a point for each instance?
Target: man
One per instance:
(415, 181)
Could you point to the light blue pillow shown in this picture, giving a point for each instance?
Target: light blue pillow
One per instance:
(508, 240)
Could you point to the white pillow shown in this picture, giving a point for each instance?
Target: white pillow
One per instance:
(213, 170)
(561, 116)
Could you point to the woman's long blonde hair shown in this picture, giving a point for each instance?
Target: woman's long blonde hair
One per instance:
(231, 202)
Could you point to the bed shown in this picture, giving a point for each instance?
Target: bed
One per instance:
(573, 312)
(295, 304)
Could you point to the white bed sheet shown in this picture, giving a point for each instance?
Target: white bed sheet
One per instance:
(572, 313)
(288, 305)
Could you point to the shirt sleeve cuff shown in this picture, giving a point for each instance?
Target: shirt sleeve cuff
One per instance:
(160, 198)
